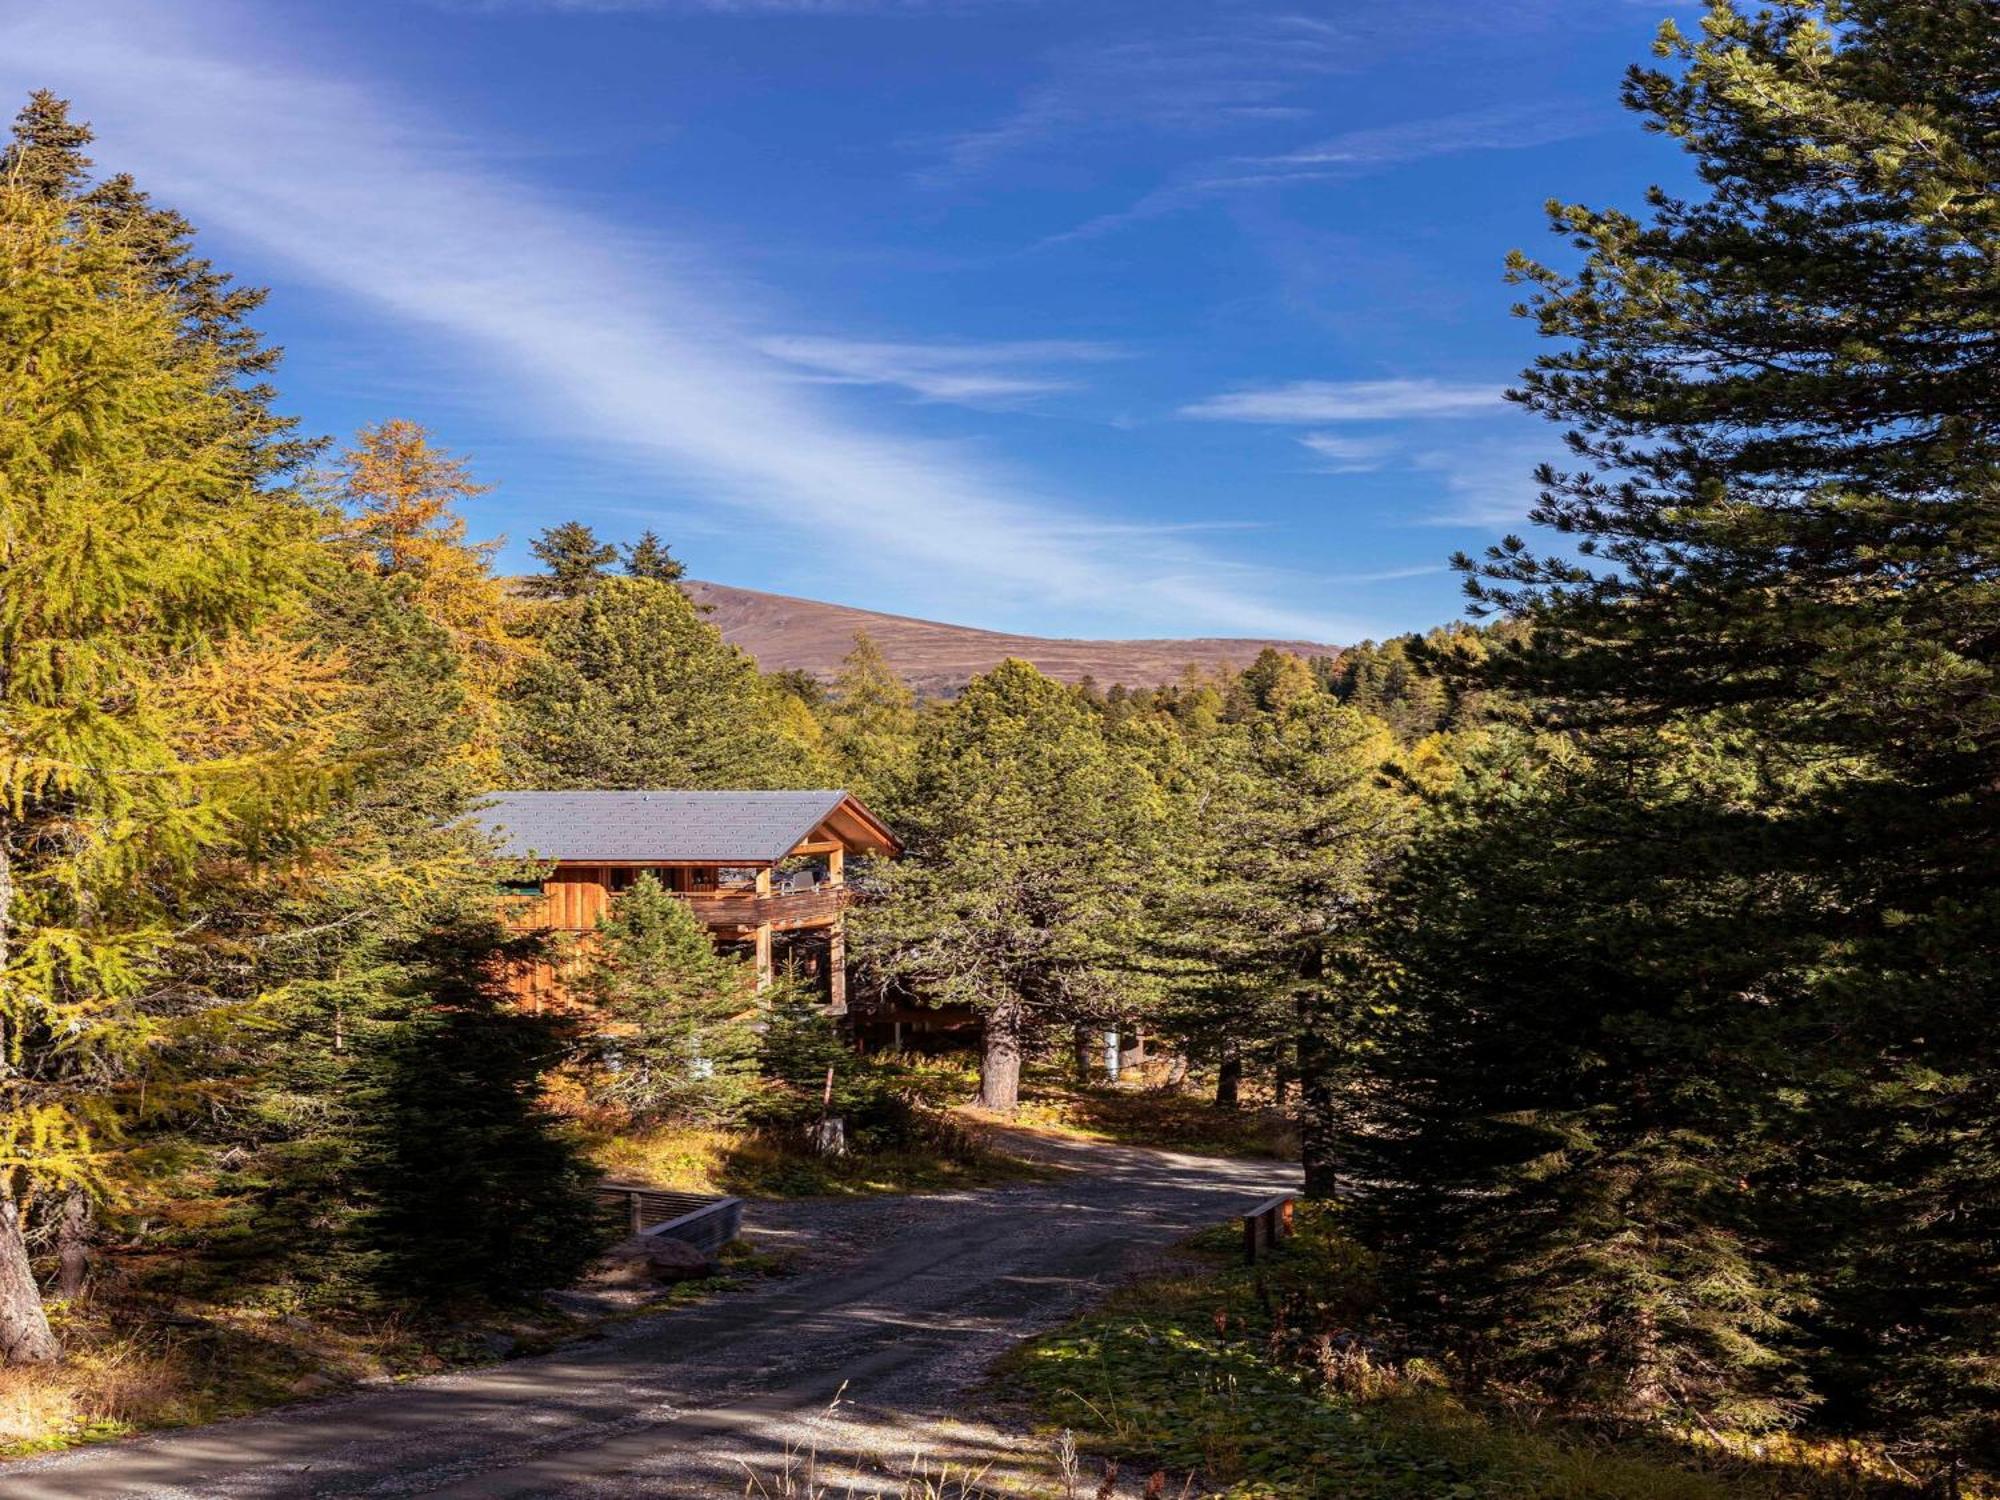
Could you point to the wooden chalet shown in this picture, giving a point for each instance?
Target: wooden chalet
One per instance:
(765, 871)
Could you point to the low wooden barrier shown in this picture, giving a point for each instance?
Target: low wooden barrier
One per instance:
(1265, 1225)
(646, 1206)
(702, 1220)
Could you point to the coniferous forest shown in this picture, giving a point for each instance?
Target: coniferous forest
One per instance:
(1624, 955)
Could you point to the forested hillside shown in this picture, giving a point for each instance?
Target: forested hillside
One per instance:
(808, 635)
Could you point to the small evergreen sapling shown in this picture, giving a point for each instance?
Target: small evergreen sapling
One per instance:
(678, 1039)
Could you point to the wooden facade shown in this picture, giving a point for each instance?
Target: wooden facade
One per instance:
(783, 905)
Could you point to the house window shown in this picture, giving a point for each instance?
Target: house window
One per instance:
(625, 879)
(521, 887)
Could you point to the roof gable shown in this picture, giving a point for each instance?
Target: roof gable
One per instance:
(666, 826)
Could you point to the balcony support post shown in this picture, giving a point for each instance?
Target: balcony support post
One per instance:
(836, 968)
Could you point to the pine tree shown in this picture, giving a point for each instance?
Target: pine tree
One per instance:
(1780, 503)
(1279, 863)
(634, 689)
(336, 939)
(573, 559)
(649, 557)
(133, 557)
(1555, 1151)
(1016, 891)
(679, 1041)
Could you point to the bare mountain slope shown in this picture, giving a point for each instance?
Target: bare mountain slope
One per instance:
(782, 632)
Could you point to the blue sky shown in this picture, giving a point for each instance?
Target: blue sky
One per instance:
(1075, 317)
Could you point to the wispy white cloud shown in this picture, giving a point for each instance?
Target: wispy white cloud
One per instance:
(1351, 154)
(1486, 484)
(1196, 83)
(1311, 401)
(612, 345)
(728, 7)
(984, 374)
(1511, 127)
(1347, 455)
(1391, 575)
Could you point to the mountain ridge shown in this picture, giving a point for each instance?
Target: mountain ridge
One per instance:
(784, 632)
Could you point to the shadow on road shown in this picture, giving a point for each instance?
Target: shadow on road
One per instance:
(852, 1367)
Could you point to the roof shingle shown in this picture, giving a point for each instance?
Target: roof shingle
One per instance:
(723, 827)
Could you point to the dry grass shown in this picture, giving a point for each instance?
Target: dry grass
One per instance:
(1144, 1114)
(136, 1360)
(768, 1164)
(801, 1477)
(101, 1392)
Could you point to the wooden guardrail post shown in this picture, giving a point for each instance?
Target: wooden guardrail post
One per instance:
(1265, 1225)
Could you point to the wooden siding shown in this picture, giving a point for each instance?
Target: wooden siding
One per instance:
(575, 896)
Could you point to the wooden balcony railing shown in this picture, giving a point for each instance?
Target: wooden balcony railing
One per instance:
(780, 909)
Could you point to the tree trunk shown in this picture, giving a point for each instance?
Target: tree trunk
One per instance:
(1229, 1078)
(1111, 1054)
(25, 1338)
(1000, 1066)
(73, 1246)
(1319, 1141)
(1084, 1040)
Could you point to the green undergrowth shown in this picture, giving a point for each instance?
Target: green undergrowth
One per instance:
(1196, 1374)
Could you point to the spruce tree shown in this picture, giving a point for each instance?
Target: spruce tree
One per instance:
(573, 560)
(679, 1042)
(649, 557)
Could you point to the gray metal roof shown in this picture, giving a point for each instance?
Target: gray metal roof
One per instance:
(726, 827)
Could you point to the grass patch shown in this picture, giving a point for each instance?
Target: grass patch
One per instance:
(1154, 1116)
(1192, 1374)
(779, 1164)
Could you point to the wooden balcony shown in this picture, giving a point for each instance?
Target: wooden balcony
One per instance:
(783, 910)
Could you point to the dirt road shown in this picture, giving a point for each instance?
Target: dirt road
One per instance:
(905, 1303)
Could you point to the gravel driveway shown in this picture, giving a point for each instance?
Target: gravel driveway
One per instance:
(857, 1362)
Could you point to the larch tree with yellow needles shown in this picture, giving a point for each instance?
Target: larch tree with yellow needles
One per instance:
(135, 555)
(401, 495)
